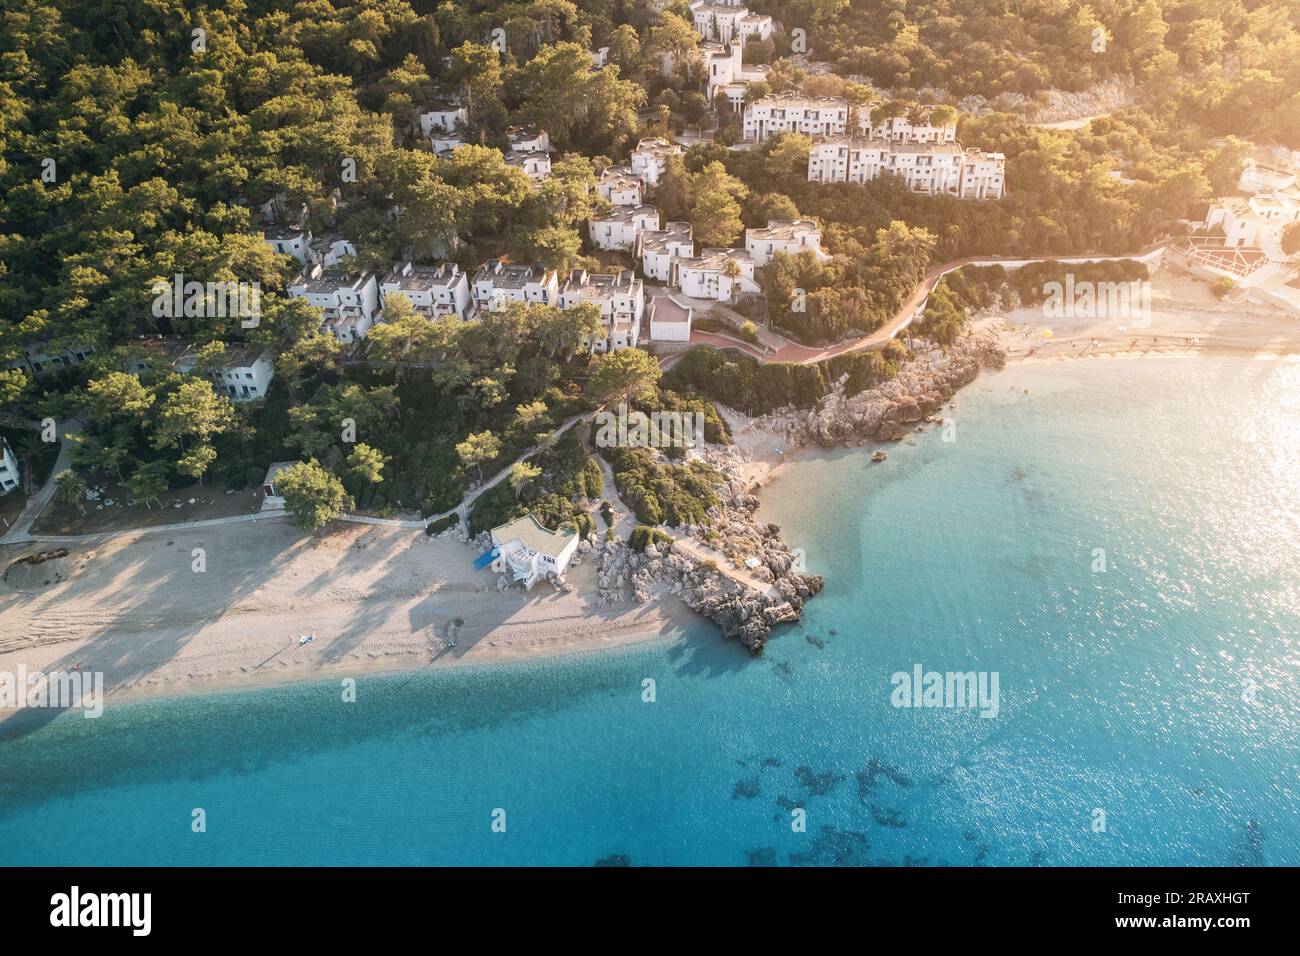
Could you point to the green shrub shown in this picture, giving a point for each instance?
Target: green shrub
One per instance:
(643, 536)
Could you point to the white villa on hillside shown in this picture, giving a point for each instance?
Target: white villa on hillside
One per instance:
(726, 22)
(900, 129)
(38, 359)
(1242, 238)
(622, 228)
(670, 321)
(728, 76)
(621, 187)
(349, 301)
(443, 118)
(434, 291)
(931, 168)
(795, 113)
(328, 250)
(525, 139)
(243, 373)
(499, 282)
(8, 468)
(650, 159)
(528, 551)
(662, 248)
(535, 163)
(791, 236)
(620, 298)
(718, 274)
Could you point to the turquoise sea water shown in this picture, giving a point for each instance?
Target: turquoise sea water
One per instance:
(1163, 691)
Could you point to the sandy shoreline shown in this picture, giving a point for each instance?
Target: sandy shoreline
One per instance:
(377, 598)
(387, 599)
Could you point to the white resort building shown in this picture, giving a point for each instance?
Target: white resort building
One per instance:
(718, 274)
(349, 301)
(726, 22)
(650, 158)
(499, 282)
(528, 552)
(8, 468)
(831, 115)
(622, 228)
(791, 236)
(620, 186)
(435, 291)
(670, 321)
(931, 168)
(727, 76)
(662, 248)
(1241, 238)
(243, 373)
(620, 298)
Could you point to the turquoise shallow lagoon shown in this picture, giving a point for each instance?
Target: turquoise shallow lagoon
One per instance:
(1162, 692)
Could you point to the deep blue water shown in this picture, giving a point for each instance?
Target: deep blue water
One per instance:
(1162, 691)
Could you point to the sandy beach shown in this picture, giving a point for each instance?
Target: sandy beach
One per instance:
(375, 597)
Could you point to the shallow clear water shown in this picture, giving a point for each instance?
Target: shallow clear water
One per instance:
(1162, 691)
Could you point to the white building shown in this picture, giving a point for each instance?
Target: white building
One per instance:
(525, 139)
(791, 236)
(650, 158)
(728, 77)
(349, 301)
(528, 551)
(498, 282)
(272, 499)
(444, 144)
(290, 241)
(435, 291)
(243, 373)
(900, 129)
(620, 298)
(728, 22)
(718, 274)
(670, 321)
(443, 118)
(535, 163)
(930, 168)
(9, 475)
(38, 358)
(622, 228)
(1260, 177)
(662, 248)
(620, 186)
(329, 249)
(795, 113)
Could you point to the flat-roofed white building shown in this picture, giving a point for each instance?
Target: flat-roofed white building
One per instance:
(620, 298)
(718, 274)
(40, 358)
(670, 321)
(930, 168)
(526, 139)
(662, 248)
(528, 551)
(349, 301)
(443, 118)
(9, 475)
(622, 228)
(243, 373)
(434, 291)
(498, 283)
(901, 129)
(289, 241)
(620, 186)
(791, 236)
(650, 158)
(329, 249)
(795, 113)
(536, 164)
(983, 175)
(728, 22)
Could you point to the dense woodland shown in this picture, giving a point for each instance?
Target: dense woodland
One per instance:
(133, 148)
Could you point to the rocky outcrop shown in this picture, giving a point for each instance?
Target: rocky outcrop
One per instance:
(894, 408)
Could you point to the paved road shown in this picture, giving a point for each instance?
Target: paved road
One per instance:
(20, 533)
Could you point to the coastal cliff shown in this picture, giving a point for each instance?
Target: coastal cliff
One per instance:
(894, 408)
